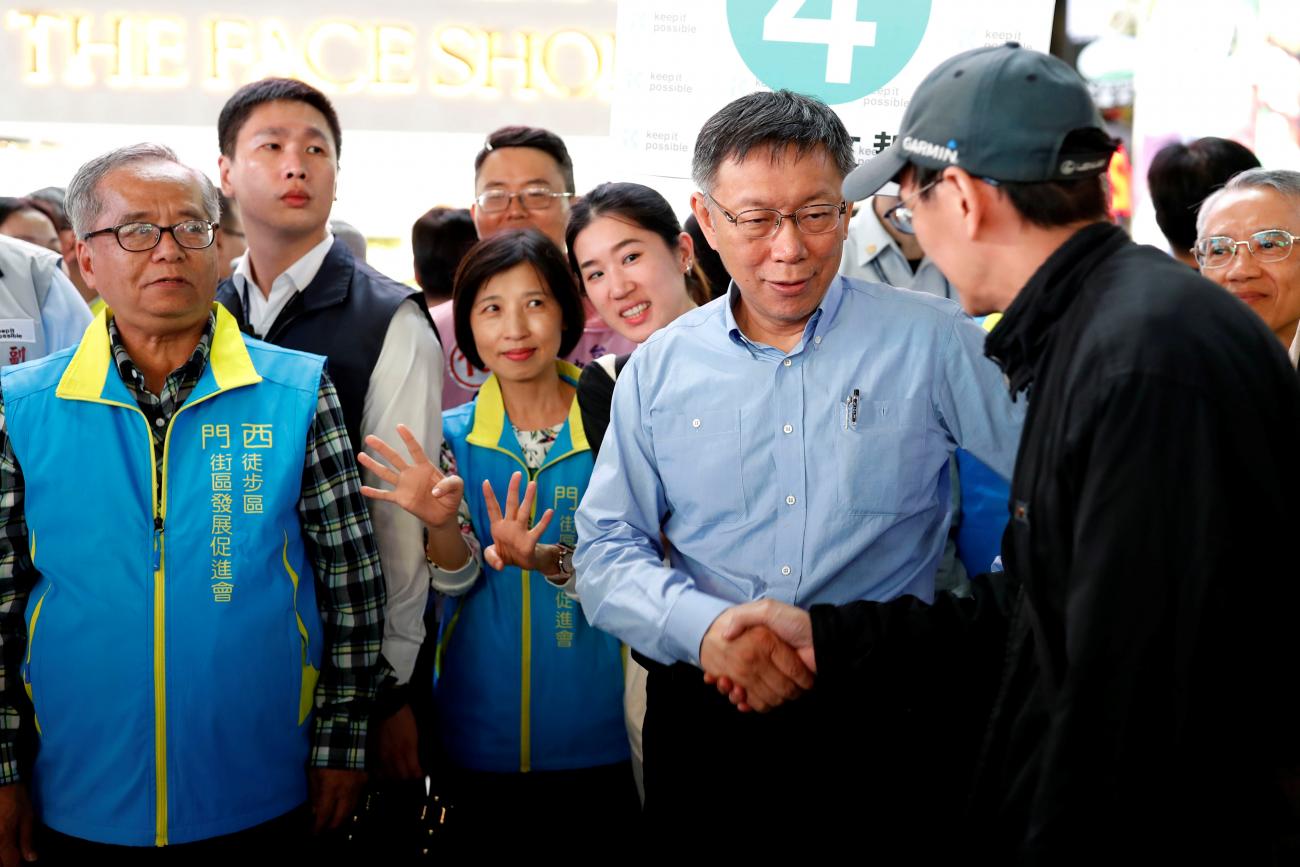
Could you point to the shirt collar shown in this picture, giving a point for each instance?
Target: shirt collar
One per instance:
(299, 274)
(872, 238)
(190, 371)
(1021, 339)
(818, 324)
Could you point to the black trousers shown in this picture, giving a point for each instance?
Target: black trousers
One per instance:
(820, 763)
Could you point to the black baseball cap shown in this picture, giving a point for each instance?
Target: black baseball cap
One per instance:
(1000, 112)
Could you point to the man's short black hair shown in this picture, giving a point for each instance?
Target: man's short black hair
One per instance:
(499, 253)
(530, 137)
(1183, 175)
(234, 114)
(1048, 204)
(52, 198)
(771, 121)
(440, 239)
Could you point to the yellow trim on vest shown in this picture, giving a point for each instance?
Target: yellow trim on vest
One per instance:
(31, 637)
(307, 686)
(490, 411)
(446, 639)
(85, 379)
(489, 424)
(31, 541)
(231, 366)
(87, 372)
(160, 688)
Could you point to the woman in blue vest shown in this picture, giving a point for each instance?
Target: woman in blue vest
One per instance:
(529, 695)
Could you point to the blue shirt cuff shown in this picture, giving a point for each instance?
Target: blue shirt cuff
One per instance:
(691, 617)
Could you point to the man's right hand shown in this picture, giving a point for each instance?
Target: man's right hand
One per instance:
(756, 661)
(16, 844)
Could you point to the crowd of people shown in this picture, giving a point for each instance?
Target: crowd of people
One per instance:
(637, 532)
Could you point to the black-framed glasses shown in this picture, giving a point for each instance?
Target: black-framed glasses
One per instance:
(1270, 245)
(532, 199)
(900, 216)
(758, 223)
(139, 237)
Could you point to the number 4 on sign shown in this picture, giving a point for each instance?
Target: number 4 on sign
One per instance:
(840, 33)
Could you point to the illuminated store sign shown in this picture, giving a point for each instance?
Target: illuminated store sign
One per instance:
(159, 68)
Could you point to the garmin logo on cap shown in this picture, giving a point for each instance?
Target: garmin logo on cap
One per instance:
(920, 147)
(1069, 167)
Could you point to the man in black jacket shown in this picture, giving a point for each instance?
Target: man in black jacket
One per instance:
(1145, 627)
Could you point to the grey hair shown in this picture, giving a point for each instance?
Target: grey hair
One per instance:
(773, 121)
(84, 203)
(1282, 181)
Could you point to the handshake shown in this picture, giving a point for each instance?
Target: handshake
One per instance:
(759, 654)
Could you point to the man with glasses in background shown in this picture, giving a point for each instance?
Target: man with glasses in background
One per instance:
(190, 595)
(788, 440)
(1261, 207)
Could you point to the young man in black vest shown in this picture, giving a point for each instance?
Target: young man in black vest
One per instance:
(299, 287)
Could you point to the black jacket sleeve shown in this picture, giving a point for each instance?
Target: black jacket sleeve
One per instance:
(595, 393)
(867, 645)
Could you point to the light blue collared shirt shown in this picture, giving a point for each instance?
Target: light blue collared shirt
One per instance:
(767, 476)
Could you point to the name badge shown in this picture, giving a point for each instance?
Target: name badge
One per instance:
(17, 331)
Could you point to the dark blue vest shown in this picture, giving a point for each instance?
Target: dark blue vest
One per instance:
(343, 314)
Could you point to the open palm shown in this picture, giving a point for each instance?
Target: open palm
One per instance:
(514, 543)
(419, 486)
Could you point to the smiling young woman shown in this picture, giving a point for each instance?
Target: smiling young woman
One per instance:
(637, 268)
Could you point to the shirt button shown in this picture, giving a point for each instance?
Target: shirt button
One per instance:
(785, 570)
(788, 428)
(817, 339)
(787, 362)
(789, 501)
(159, 422)
(695, 422)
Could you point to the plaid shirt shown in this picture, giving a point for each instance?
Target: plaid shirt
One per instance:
(335, 526)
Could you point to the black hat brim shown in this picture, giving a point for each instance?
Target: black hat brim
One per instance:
(867, 179)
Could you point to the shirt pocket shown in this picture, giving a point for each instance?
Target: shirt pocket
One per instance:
(883, 460)
(699, 459)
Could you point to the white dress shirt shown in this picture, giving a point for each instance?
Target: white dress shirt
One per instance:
(405, 387)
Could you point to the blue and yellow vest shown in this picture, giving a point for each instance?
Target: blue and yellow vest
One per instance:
(523, 682)
(173, 640)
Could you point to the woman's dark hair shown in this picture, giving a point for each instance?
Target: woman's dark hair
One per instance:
(641, 206)
(499, 253)
(1182, 176)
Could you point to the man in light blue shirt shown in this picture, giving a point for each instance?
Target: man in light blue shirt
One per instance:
(791, 441)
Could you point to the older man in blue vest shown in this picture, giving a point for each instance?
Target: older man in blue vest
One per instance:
(190, 596)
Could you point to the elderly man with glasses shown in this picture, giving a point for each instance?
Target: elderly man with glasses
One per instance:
(1258, 210)
(791, 441)
(191, 605)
